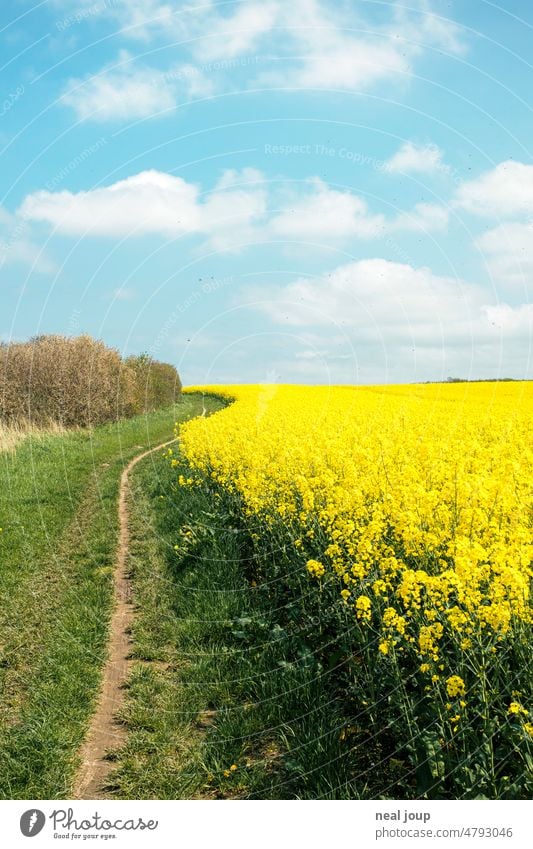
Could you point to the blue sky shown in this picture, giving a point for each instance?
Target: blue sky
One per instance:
(262, 191)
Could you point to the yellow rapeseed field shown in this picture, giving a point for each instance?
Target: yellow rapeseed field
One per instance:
(414, 503)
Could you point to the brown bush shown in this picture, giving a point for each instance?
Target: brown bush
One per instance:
(79, 381)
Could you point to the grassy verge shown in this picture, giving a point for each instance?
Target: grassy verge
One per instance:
(58, 517)
(222, 702)
(12, 435)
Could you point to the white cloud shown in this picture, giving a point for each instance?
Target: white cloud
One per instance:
(231, 212)
(149, 202)
(144, 17)
(337, 48)
(504, 191)
(342, 64)
(414, 158)
(232, 177)
(508, 250)
(237, 34)
(429, 27)
(243, 207)
(140, 19)
(28, 253)
(329, 55)
(18, 245)
(424, 217)
(125, 92)
(323, 214)
(373, 295)
(394, 304)
(153, 202)
(308, 43)
(397, 323)
(516, 322)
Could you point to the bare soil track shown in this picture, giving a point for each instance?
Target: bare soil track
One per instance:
(105, 732)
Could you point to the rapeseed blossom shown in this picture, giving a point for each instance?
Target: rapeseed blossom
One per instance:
(455, 686)
(414, 501)
(421, 492)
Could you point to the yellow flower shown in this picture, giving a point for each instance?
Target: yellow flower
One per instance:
(419, 497)
(379, 587)
(363, 607)
(455, 686)
(315, 568)
(515, 708)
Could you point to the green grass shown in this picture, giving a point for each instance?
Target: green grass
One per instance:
(58, 514)
(217, 681)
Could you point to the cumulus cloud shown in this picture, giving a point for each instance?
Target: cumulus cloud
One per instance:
(503, 191)
(424, 217)
(230, 36)
(154, 202)
(396, 322)
(125, 92)
(372, 294)
(338, 48)
(516, 322)
(322, 214)
(508, 250)
(231, 213)
(389, 303)
(149, 202)
(414, 158)
(307, 43)
(427, 26)
(330, 54)
(242, 207)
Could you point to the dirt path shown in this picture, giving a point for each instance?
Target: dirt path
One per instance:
(104, 731)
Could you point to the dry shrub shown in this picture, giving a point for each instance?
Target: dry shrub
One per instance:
(78, 381)
(12, 435)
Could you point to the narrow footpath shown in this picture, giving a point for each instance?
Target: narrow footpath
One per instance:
(104, 732)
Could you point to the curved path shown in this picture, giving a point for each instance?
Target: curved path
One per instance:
(104, 732)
